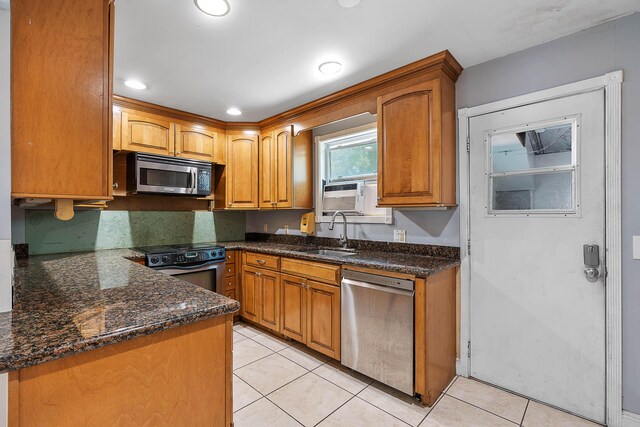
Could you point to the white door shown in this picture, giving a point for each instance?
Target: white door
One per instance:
(537, 195)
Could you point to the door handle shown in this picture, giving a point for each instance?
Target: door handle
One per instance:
(591, 255)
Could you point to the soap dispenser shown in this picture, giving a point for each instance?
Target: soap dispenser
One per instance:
(308, 224)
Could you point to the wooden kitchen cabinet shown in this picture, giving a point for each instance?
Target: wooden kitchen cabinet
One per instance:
(147, 133)
(249, 301)
(294, 307)
(260, 301)
(242, 172)
(311, 314)
(196, 142)
(61, 74)
(276, 181)
(417, 145)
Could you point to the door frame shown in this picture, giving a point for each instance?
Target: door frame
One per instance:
(612, 85)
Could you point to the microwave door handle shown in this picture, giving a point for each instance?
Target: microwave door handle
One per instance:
(194, 183)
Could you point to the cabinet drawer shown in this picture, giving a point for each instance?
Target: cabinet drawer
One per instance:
(231, 257)
(263, 261)
(229, 270)
(322, 272)
(230, 283)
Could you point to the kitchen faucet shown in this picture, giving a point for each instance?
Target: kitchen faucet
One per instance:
(344, 241)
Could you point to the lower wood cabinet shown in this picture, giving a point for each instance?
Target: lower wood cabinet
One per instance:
(261, 297)
(311, 314)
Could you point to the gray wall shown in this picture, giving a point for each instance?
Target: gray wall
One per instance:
(607, 47)
(436, 227)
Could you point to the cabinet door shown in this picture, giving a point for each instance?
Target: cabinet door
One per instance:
(147, 133)
(242, 171)
(408, 155)
(282, 168)
(267, 162)
(250, 294)
(117, 128)
(323, 318)
(294, 307)
(270, 300)
(196, 142)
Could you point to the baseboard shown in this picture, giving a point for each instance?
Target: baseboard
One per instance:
(629, 419)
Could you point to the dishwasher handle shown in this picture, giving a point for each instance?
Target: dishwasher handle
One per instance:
(387, 289)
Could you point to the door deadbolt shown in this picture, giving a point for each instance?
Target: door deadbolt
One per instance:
(591, 254)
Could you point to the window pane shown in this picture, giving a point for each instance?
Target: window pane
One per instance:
(546, 191)
(355, 160)
(542, 147)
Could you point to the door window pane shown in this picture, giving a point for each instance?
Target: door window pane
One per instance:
(543, 191)
(543, 147)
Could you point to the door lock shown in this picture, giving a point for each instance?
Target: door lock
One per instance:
(591, 255)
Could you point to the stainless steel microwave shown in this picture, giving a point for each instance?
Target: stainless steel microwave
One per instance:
(168, 175)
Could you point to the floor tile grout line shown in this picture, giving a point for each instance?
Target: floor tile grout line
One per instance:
(276, 405)
(337, 385)
(482, 409)
(251, 387)
(291, 360)
(385, 411)
(353, 396)
(240, 367)
(525, 412)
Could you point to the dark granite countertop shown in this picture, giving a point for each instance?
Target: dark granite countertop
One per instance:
(399, 262)
(69, 303)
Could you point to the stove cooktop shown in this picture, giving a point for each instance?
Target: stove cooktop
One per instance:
(182, 254)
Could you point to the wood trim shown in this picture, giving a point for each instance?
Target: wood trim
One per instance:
(443, 61)
(380, 272)
(420, 351)
(14, 399)
(173, 113)
(228, 344)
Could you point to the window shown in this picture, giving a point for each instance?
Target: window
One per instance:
(350, 156)
(533, 169)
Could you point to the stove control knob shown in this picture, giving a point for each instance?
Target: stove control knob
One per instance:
(154, 260)
(220, 252)
(165, 258)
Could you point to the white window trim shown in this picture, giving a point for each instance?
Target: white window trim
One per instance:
(612, 85)
(320, 171)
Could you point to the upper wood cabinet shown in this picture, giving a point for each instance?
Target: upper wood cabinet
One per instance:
(276, 169)
(196, 142)
(61, 66)
(416, 145)
(147, 133)
(242, 172)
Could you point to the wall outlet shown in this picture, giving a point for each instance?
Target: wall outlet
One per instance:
(265, 228)
(400, 236)
(286, 229)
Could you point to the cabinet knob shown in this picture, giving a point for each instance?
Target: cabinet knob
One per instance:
(229, 204)
(115, 185)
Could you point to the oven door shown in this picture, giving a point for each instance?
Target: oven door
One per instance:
(209, 275)
(156, 177)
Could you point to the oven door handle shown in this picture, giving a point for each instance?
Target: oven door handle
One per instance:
(199, 267)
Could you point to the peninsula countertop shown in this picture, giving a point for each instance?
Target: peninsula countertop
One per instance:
(65, 304)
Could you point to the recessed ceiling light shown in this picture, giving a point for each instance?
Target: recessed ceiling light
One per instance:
(214, 7)
(135, 84)
(348, 3)
(234, 111)
(330, 67)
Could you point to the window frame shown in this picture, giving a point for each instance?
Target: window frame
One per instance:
(321, 168)
(574, 169)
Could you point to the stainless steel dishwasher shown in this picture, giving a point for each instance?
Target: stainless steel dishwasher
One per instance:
(377, 327)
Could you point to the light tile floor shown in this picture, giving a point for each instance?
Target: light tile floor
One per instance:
(282, 383)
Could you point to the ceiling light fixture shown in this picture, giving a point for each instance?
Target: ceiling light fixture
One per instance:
(330, 67)
(135, 84)
(213, 7)
(233, 111)
(348, 3)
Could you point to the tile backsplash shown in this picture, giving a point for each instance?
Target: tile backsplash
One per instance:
(91, 230)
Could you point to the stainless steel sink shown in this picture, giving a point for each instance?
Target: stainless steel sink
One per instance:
(329, 252)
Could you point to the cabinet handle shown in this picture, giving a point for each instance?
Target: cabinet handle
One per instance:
(261, 261)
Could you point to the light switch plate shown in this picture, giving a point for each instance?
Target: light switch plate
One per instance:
(636, 247)
(400, 236)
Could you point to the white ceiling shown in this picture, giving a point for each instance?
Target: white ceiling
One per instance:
(263, 56)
